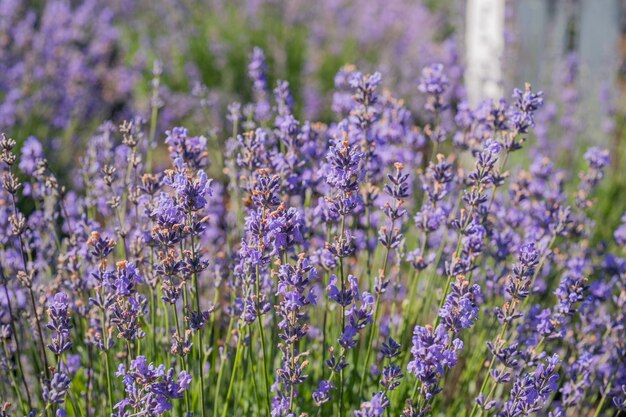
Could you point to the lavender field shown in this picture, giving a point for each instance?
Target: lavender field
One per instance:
(284, 208)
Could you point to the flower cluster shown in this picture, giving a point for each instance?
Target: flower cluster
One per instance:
(60, 324)
(386, 260)
(292, 289)
(55, 71)
(433, 352)
(149, 388)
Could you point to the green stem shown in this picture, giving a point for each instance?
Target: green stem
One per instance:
(499, 340)
(153, 320)
(232, 376)
(220, 373)
(291, 393)
(14, 332)
(108, 377)
(254, 373)
(374, 323)
(30, 291)
(12, 377)
(343, 312)
(265, 376)
(325, 318)
(369, 346)
(200, 347)
(604, 396)
(183, 358)
(262, 337)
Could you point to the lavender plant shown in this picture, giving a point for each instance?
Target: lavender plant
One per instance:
(388, 262)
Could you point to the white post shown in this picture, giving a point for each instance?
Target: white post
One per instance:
(485, 46)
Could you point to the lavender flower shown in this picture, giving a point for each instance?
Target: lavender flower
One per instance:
(392, 373)
(460, 309)
(125, 304)
(292, 286)
(434, 83)
(54, 391)
(521, 116)
(519, 283)
(359, 308)
(390, 236)
(191, 192)
(598, 159)
(531, 390)
(373, 408)
(32, 152)
(570, 293)
(257, 71)
(345, 170)
(580, 373)
(322, 394)
(190, 149)
(432, 353)
(150, 389)
(60, 324)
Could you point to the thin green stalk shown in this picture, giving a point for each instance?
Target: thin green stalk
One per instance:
(15, 336)
(262, 337)
(265, 376)
(12, 378)
(484, 385)
(409, 322)
(456, 254)
(239, 396)
(254, 373)
(168, 331)
(220, 373)
(183, 359)
(108, 377)
(74, 403)
(369, 346)
(232, 376)
(343, 312)
(32, 295)
(153, 320)
(257, 290)
(325, 317)
(431, 278)
(201, 366)
(443, 299)
(604, 396)
(213, 337)
(200, 347)
(106, 353)
(39, 331)
(374, 323)
(89, 383)
(409, 309)
(499, 340)
(128, 353)
(291, 393)
(368, 268)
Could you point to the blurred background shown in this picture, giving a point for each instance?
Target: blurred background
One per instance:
(68, 66)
